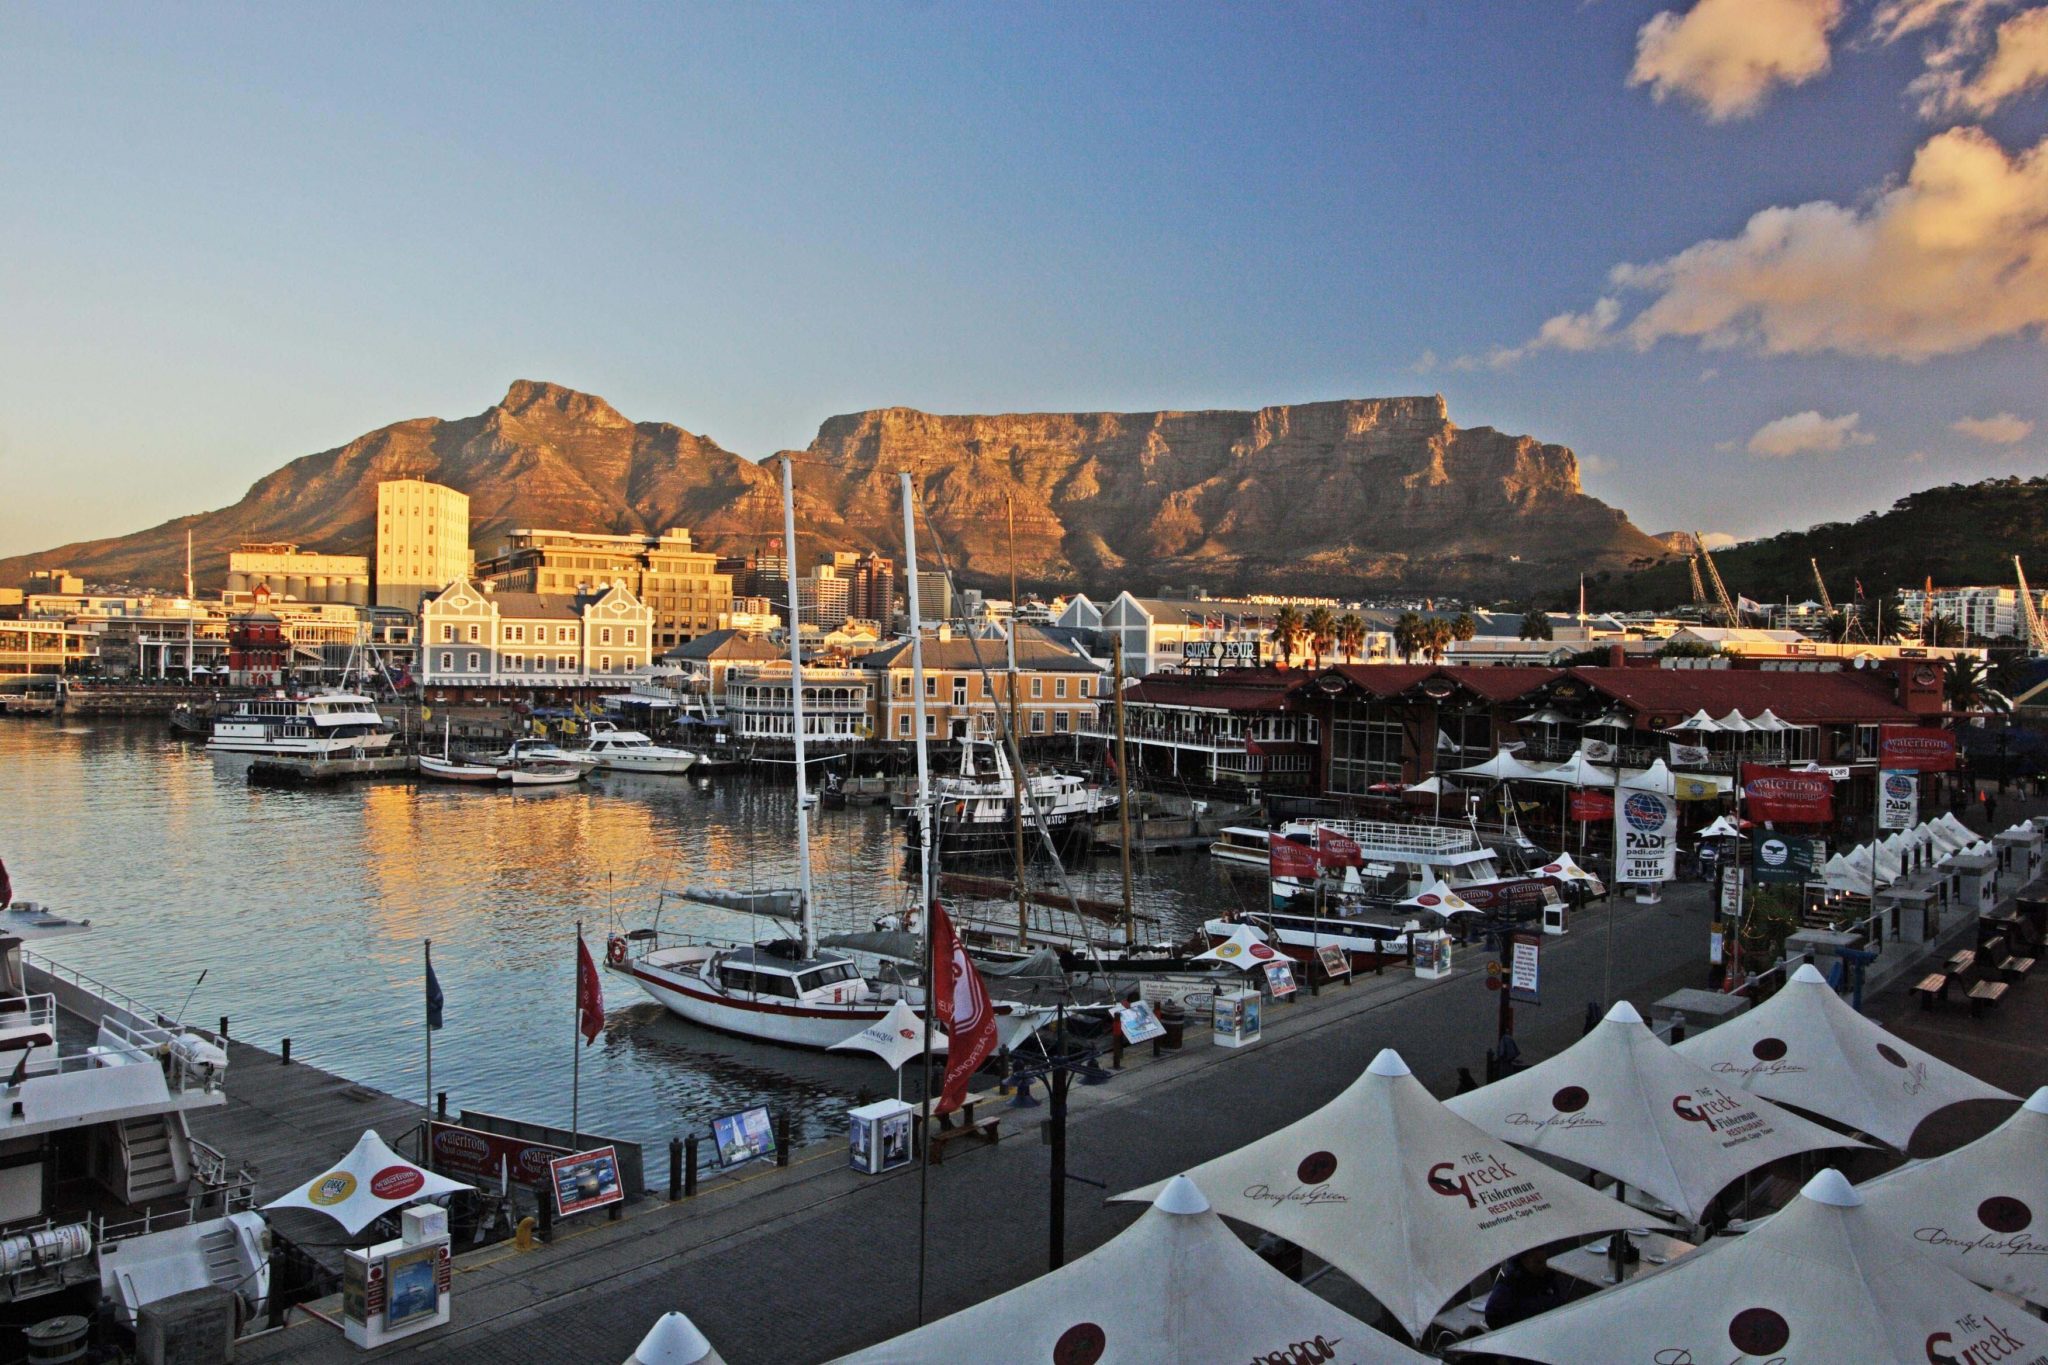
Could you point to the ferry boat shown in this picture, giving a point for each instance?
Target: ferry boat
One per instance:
(1241, 844)
(323, 725)
(629, 751)
(974, 804)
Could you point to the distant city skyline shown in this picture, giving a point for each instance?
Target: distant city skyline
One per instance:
(1759, 262)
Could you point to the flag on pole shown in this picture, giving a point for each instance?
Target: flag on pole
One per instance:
(589, 995)
(6, 887)
(959, 999)
(434, 998)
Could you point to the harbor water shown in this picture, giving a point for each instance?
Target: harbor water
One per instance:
(307, 909)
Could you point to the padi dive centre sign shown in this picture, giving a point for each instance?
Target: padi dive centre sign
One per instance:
(1898, 798)
(1646, 836)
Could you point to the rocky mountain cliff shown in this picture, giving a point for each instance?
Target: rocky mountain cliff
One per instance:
(1339, 496)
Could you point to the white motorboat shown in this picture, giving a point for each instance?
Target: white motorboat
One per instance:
(536, 750)
(324, 725)
(535, 773)
(629, 751)
(1241, 844)
(443, 769)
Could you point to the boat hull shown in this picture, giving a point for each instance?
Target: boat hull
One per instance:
(634, 763)
(443, 770)
(310, 746)
(816, 1026)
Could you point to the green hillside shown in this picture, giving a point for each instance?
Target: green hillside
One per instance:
(1959, 533)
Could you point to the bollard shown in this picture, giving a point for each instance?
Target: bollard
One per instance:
(284, 1053)
(223, 1028)
(1116, 1050)
(675, 1169)
(690, 1167)
(545, 1208)
(1677, 1030)
(440, 1104)
(782, 1137)
(522, 1236)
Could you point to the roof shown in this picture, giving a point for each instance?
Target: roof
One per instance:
(1257, 690)
(1503, 683)
(1037, 652)
(1798, 697)
(727, 644)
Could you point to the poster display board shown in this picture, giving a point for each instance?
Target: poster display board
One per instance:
(878, 1136)
(1280, 979)
(586, 1180)
(1138, 1023)
(396, 1289)
(1432, 953)
(1786, 859)
(741, 1137)
(1197, 1000)
(1238, 1019)
(1898, 798)
(1525, 959)
(1335, 961)
(1647, 825)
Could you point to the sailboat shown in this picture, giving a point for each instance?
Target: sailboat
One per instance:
(448, 768)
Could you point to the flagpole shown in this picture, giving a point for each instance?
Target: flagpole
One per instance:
(927, 879)
(424, 1148)
(576, 1049)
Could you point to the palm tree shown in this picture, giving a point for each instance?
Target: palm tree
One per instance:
(1287, 631)
(1945, 630)
(1435, 638)
(1463, 627)
(1535, 623)
(1407, 635)
(1320, 625)
(1350, 635)
(1966, 686)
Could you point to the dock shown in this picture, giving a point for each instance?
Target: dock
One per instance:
(281, 771)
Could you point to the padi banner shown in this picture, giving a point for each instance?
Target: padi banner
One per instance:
(1646, 830)
(1787, 794)
(1923, 749)
(1597, 750)
(1785, 858)
(1898, 799)
(1687, 755)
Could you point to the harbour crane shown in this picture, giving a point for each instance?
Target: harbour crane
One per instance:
(2037, 645)
(1827, 603)
(1722, 602)
(1699, 591)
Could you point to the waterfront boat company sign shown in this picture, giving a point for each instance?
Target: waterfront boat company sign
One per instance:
(1788, 795)
(1898, 798)
(483, 1156)
(1289, 859)
(1920, 748)
(1647, 826)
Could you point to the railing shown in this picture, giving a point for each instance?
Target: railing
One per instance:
(1377, 835)
(117, 998)
(36, 1013)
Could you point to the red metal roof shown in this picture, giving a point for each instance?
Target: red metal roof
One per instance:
(1495, 684)
(1252, 690)
(1801, 698)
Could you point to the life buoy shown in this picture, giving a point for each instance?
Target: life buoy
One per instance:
(615, 951)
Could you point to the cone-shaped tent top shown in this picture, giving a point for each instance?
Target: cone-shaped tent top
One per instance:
(1698, 723)
(1981, 1210)
(1807, 1046)
(1624, 1103)
(896, 1037)
(1612, 720)
(1767, 720)
(1177, 1285)
(1722, 828)
(1949, 821)
(371, 1180)
(1565, 869)
(1440, 899)
(1655, 778)
(1245, 949)
(1544, 715)
(1821, 1280)
(674, 1340)
(1578, 771)
(1734, 722)
(1433, 785)
(1502, 767)
(1402, 1195)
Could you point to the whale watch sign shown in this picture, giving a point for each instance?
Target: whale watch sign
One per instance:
(1646, 837)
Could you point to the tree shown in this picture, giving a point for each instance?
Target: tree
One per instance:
(1463, 627)
(1944, 630)
(1688, 649)
(1434, 638)
(1320, 625)
(1287, 631)
(1407, 635)
(1535, 623)
(1350, 635)
(1966, 687)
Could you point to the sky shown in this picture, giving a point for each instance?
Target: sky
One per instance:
(1759, 262)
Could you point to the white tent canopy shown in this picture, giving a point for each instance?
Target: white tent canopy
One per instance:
(1578, 771)
(1822, 1279)
(1622, 1102)
(1698, 723)
(896, 1037)
(1734, 723)
(1655, 778)
(1808, 1047)
(1978, 1209)
(674, 1340)
(371, 1180)
(1767, 720)
(1431, 786)
(1409, 1200)
(1722, 828)
(1502, 767)
(1612, 720)
(1563, 868)
(1245, 949)
(1177, 1285)
(1438, 898)
(1544, 715)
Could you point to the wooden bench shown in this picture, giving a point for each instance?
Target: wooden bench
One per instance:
(1986, 993)
(1930, 988)
(987, 1130)
(2015, 969)
(1993, 948)
(1960, 964)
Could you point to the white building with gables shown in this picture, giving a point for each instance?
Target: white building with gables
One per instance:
(490, 644)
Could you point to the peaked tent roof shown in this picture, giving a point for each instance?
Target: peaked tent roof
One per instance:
(1865, 696)
(1502, 767)
(1807, 1046)
(1622, 1102)
(1822, 1279)
(371, 1180)
(674, 1340)
(1245, 949)
(896, 1037)
(1979, 1209)
(1177, 1285)
(1578, 771)
(1401, 1194)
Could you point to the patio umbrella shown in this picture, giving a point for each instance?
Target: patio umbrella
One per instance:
(1978, 1209)
(1578, 771)
(1613, 720)
(1409, 1200)
(1245, 949)
(1767, 720)
(370, 1181)
(1545, 715)
(1177, 1285)
(1622, 1102)
(1564, 869)
(1438, 898)
(674, 1340)
(1655, 778)
(1808, 1047)
(1723, 828)
(1734, 723)
(1502, 767)
(1698, 723)
(1822, 1279)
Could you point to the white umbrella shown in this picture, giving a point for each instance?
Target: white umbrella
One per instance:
(674, 1340)
(1622, 1102)
(1655, 778)
(1431, 786)
(1699, 722)
(1502, 767)
(1406, 1198)
(1546, 715)
(1978, 1209)
(1563, 868)
(1245, 949)
(1767, 720)
(1578, 771)
(896, 1037)
(1734, 722)
(1806, 1046)
(1613, 720)
(371, 1180)
(1440, 899)
(1821, 1280)
(1723, 828)
(1177, 1285)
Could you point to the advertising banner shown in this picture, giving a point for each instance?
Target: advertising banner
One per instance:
(1524, 967)
(1646, 836)
(1787, 795)
(1695, 788)
(1785, 859)
(475, 1155)
(1731, 892)
(1592, 805)
(1280, 979)
(1688, 755)
(1336, 962)
(1898, 798)
(1139, 1023)
(1921, 748)
(587, 1180)
(1597, 750)
(743, 1136)
(1337, 850)
(1285, 858)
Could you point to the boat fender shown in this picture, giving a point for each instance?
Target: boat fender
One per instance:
(615, 951)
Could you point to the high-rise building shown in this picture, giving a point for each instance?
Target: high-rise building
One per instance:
(871, 591)
(822, 596)
(422, 540)
(679, 583)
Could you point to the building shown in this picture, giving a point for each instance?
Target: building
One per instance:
(706, 662)
(1242, 728)
(966, 680)
(61, 581)
(45, 649)
(490, 642)
(287, 572)
(258, 653)
(422, 540)
(838, 704)
(823, 598)
(1985, 613)
(680, 584)
(871, 590)
(934, 595)
(1160, 634)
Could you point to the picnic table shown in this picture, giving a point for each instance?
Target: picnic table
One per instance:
(1592, 1264)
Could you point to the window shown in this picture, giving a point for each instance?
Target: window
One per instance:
(903, 685)
(959, 691)
(1059, 721)
(632, 636)
(903, 723)
(475, 661)
(1365, 747)
(475, 634)
(562, 635)
(447, 635)
(931, 685)
(1084, 686)
(604, 663)
(931, 724)
(515, 663)
(1037, 688)
(1059, 688)
(565, 663)
(986, 690)
(515, 634)
(447, 662)
(604, 637)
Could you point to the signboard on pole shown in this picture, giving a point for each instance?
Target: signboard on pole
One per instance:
(587, 1180)
(1898, 798)
(1524, 965)
(1139, 1023)
(1646, 826)
(1336, 962)
(743, 1136)
(1924, 749)
(1731, 892)
(1784, 858)
(1788, 795)
(481, 1156)
(1280, 979)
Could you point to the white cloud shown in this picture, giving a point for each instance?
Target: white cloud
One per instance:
(1597, 465)
(1564, 332)
(1958, 34)
(1717, 540)
(2003, 429)
(2018, 63)
(1807, 433)
(1727, 55)
(1709, 375)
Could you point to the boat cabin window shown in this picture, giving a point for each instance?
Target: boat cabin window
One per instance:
(829, 976)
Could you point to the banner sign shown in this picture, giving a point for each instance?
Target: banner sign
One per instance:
(1695, 788)
(1898, 798)
(1196, 1001)
(1337, 850)
(1921, 748)
(1336, 962)
(1785, 794)
(1280, 979)
(1731, 892)
(743, 1136)
(1524, 964)
(1646, 826)
(1597, 750)
(587, 1180)
(1285, 858)
(1784, 858)
(479, 1156)
(1687, 755)
(1592, 805)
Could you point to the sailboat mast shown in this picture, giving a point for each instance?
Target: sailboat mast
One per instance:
(796, 713)
(924, 771)
(1123, 791)
(1016, 738)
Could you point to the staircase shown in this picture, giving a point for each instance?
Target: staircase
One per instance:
(223, 1255)
(153, 1161)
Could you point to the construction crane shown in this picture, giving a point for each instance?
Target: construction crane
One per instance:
(2036, 644)
(1722, 602)
(1827, 604)
(1699, 591)
(1927, 612)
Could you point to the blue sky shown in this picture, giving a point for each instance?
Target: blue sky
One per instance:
(229, 237)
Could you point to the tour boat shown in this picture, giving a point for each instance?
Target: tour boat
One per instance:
(1241, 844)
(324, 725)
(629, 751)
(974, 805)
(540, 773)
(534, 750)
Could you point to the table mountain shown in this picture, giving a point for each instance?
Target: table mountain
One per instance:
(1330, 497)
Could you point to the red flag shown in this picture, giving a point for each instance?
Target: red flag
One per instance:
(961, 1003)
(589, 995)
(1286, 858)
(1788, 795)
(1337, 850)
(6, 888)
